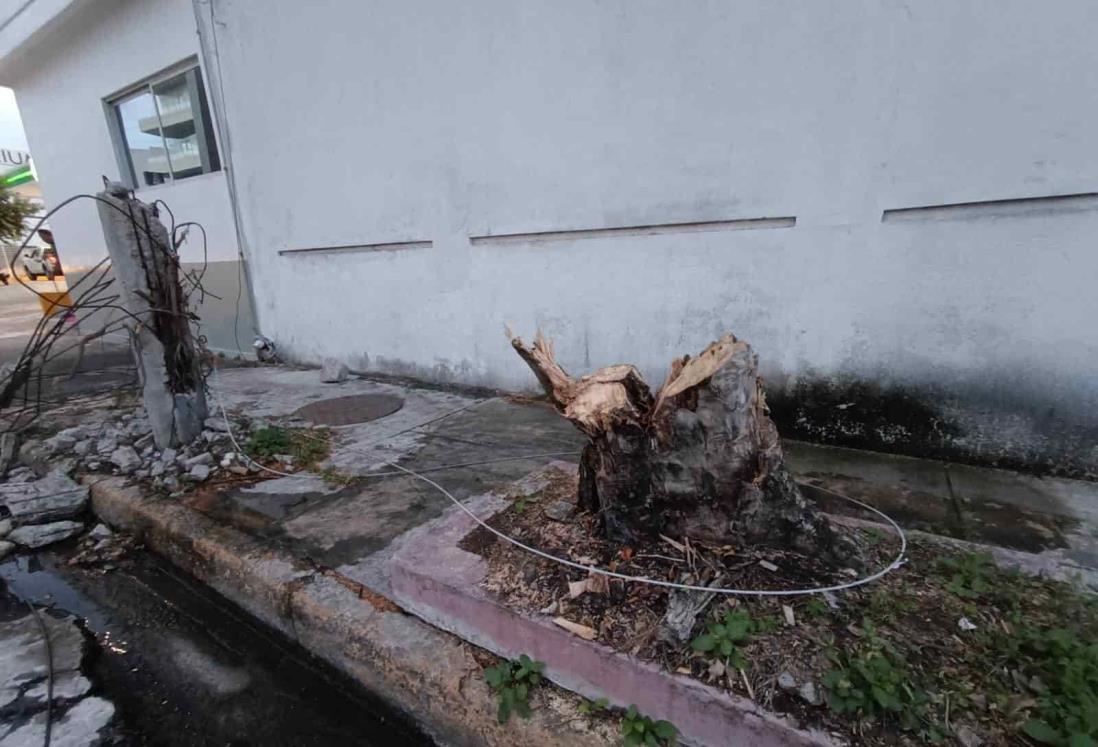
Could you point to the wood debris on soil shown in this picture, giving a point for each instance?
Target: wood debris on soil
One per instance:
(793, 634)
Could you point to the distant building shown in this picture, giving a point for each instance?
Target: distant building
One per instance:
(896, 203)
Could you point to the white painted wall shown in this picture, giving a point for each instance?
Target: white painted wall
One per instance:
(437, 120)
(434, 120)
(95, 50)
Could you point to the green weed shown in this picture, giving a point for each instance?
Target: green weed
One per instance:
(306, 445)
(594, 706)
(872, 679)
(725, 638)
(637, 729)
(968, 576)
(512, 681)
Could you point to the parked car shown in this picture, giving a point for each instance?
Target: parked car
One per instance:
(41, 261)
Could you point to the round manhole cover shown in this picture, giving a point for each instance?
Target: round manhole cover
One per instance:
(356, 408)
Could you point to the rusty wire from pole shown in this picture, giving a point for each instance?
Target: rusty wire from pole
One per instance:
(26, 380)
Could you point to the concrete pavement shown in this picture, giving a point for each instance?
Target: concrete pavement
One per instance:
(312, 559)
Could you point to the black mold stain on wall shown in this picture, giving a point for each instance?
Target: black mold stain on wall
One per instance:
(859, 414)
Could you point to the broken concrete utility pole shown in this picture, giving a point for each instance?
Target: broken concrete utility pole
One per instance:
(146, 265)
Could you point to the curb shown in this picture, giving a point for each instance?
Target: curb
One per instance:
(415, 668)
(447, 594)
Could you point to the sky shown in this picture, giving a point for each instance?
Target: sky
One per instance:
(11, 127)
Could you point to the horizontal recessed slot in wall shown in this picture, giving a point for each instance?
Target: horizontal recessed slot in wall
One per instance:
(1022, 206)
(742, 224)
(391, 246)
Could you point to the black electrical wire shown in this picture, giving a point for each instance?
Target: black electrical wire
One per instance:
(29, 372)
(49, 671)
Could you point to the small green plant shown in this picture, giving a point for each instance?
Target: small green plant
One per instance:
(637, 728)
(337, 478)
(873, 680)
(815, 607)
(725, 638)
(266, 442)
(968, 576)
(594, 706)
(307, 446)
(512, 680)
(1065, 679)
(890, 604)
(874, 537)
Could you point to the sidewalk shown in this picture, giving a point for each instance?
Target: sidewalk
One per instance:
(310, 559)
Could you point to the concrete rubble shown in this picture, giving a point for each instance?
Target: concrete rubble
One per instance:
(39, 535)
(55, 496)
(123, 445)
(76, 719)
(38, 511)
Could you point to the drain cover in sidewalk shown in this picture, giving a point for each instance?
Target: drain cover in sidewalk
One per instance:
(356, 408)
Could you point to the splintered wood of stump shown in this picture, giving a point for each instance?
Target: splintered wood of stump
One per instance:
(700, 458)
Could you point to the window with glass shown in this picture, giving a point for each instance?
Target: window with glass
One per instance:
(163, 130)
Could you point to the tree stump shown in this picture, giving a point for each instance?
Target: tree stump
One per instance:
(700, 458)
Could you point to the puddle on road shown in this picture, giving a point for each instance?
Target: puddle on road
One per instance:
(172, 656)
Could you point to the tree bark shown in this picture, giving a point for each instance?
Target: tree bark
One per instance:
(700, 458)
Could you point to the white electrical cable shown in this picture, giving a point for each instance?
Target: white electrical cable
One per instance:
(897, 562)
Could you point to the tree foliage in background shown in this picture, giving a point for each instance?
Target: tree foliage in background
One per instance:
(14, 210)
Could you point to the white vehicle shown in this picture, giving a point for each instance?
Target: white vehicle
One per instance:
(39, 261)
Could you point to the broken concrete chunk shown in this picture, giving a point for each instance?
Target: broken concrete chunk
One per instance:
(333, 372)
(787, 682)
(21, 474)
(126, 459)
(7, 451)
(78, 725)
(205, 458)
(168, 456)
(6, 548)
(5, 528)
(100, 531)
(156, 470)
(55, 496)
(216, 424)
(199, 472)
(60, 442)
(85, 447)
(171, 483)
(40, 535)
(105, 445)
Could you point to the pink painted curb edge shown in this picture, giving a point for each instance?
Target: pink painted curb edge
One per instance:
(435, 580)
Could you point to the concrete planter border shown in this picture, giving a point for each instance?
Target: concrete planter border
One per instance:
(439, 582)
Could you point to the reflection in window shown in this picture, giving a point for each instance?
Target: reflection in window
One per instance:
(166, 130)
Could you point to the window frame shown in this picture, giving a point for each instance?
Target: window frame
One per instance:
(191, 68)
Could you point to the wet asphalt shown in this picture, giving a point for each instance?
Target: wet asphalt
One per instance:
(183, 666)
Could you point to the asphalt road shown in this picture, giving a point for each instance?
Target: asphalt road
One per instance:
(184, 667)
(106, 363)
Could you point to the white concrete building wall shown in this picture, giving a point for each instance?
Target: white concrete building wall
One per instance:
(434, 121)
(89, 51)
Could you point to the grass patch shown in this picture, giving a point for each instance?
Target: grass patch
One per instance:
(307, 446)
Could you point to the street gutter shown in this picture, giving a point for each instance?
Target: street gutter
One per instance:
(420, 670)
